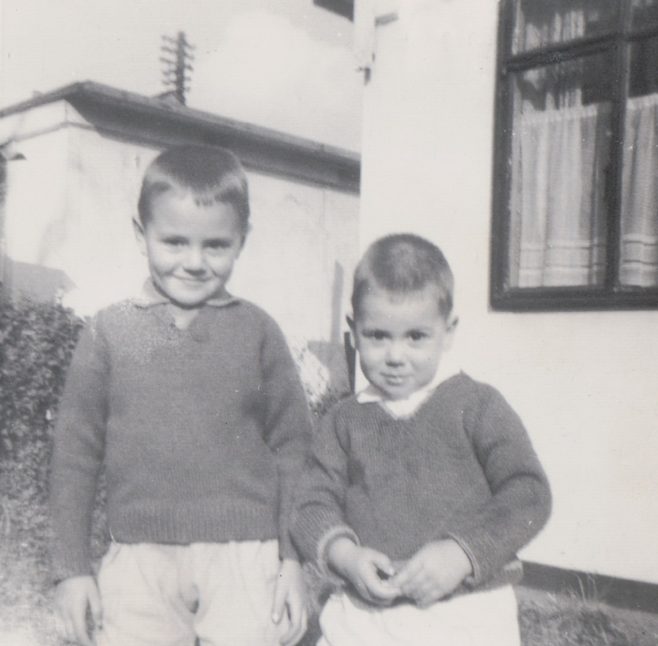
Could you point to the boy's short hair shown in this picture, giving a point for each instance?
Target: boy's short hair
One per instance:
(211, 174)
(403, 263)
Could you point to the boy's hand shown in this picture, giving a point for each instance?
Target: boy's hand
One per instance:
(436, 570)
(72, 598)
(290, 596)
(368, 570)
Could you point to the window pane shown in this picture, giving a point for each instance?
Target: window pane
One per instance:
(644, 67)
(639, 220)
(546, 22)
(645, 12)
(560, 155)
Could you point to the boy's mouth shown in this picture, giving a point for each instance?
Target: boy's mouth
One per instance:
(394, 380)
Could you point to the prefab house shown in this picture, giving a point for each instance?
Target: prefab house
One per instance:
(521, 136)
(70, 169)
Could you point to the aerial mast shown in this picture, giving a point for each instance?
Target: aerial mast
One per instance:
(177, 57)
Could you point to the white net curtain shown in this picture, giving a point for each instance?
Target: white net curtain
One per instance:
(639, 223)
(560, 162)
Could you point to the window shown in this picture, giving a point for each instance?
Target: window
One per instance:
(575, 222)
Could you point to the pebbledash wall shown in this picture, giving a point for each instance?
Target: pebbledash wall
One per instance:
(585, 383)
(76, 158)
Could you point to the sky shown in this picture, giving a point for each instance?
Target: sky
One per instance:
(284, 64)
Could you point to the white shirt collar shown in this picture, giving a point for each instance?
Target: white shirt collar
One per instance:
(150, 296)
(406, 407)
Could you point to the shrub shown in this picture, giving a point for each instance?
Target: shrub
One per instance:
(37, 340)
(321, 393)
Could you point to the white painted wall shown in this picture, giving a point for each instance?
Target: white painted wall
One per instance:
(586, 384)
(71, 200)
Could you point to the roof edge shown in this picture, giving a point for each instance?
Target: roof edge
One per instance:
(101, 93)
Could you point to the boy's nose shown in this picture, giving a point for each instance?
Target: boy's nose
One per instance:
(194, 261)
(394, 355)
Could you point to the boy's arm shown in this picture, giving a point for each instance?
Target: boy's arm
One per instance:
(287, 424)
(77, 455)
(318, 516)
(521, 500)
(319, 528)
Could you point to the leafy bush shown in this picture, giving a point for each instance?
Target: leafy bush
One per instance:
(321, 393)
(37, 340)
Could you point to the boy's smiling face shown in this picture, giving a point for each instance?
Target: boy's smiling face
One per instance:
(191, 247)
(400, 339)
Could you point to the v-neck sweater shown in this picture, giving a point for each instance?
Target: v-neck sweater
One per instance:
(461, 467)
(202, 430)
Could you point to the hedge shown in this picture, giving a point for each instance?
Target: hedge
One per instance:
(36, 344)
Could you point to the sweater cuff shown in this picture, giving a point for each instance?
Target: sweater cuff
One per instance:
(487, 573)
(473, 580)
(325, 541)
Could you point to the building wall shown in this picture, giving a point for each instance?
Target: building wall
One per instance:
(585, 383)
(69, 216)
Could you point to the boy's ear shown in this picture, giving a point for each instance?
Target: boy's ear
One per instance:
(138, 228)
(245, 233)
(451, 327)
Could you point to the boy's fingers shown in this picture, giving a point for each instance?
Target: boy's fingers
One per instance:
(298, 622)
(279, 602)
(380, 590)
(383, 563)
(80, 631)
(96, 608)
(412, 569)
(66, 630)
(410, 583)
(429, 596)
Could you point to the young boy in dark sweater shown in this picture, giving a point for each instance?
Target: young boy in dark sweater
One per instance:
(190, 398)
(422, 487)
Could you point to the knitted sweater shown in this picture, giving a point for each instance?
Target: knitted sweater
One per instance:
(202, 431)
(460, 467)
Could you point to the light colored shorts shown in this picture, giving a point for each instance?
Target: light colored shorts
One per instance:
(170, 595)
(477, 619)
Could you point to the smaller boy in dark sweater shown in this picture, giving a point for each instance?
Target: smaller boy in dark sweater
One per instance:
(191, 400)
(422, 487)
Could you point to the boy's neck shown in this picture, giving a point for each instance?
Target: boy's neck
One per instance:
(183, 317)
(408, 406)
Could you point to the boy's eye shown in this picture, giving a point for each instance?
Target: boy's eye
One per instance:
(376, 335)
(215, 245)
(417, 335)
(174, 242)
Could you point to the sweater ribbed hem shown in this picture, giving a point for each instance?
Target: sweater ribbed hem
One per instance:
(182, 525)
(179, 525)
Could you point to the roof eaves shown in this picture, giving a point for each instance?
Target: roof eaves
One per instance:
(107, 95)
(192, 116)
(42, 98)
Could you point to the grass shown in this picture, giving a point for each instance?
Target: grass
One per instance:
(26, 615)
(570, 620)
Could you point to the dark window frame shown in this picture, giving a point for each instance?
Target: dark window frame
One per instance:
(611, 295)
